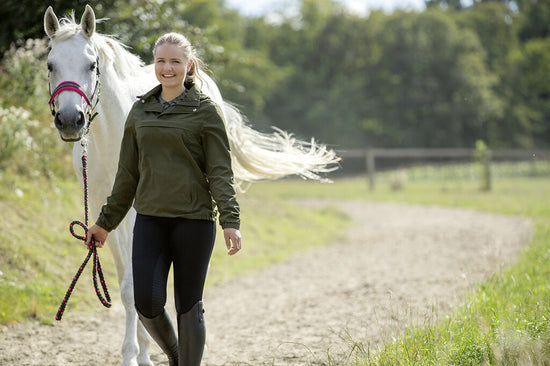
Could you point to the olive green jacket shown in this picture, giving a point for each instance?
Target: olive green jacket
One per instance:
(174, 163)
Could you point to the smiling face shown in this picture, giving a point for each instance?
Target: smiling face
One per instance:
(171, 66)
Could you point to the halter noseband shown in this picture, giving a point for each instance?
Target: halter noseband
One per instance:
(73, 86)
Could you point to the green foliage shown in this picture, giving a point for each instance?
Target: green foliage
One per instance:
(29, 144)
(14, 135)
(24, 77)
(406, 79)
(24, 19)
(536, 22)
(28, 148)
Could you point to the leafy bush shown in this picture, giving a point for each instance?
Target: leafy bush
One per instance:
(24, 77)
(29, 145)
(14, 134)
(28, 148)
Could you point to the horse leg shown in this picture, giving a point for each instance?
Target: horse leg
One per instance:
(134, 349)
(136, 339)
(144, 340)
(130, 346)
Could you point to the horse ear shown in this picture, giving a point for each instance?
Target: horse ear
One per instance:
(51, 24)
(87, 23)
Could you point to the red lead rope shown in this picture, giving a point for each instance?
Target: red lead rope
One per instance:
(96, 272)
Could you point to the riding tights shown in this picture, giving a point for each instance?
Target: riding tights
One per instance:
(159, 242)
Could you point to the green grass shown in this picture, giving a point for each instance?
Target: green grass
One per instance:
(505, 321)
(38, 256)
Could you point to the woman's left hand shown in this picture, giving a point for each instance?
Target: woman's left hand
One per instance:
(232, 240)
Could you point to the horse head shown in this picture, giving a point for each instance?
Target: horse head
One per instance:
(73, 74)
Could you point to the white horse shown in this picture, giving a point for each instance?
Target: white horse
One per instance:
(82, 62)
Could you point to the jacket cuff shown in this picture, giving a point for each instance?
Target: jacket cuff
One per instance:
(232, 225)
(103, 223)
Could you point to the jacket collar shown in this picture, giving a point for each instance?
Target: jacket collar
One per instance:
(192, 98)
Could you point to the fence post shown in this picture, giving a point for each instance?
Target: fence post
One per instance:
(371, 168)
(483, 155)
(488, 178)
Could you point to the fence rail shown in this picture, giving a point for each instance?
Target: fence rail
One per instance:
(371, 155)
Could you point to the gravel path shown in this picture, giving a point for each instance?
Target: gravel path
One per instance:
(399, 265)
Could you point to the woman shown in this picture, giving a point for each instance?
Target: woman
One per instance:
(174, 164)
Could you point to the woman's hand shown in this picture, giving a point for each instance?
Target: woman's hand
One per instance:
(99, 234)
(232, 240)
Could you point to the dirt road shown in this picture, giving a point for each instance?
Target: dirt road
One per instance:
(399, 265)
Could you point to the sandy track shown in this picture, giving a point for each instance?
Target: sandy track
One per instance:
(399, 265)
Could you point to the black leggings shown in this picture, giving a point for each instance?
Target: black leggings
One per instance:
(159, 242)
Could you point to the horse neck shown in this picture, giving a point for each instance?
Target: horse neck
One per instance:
(106, 130)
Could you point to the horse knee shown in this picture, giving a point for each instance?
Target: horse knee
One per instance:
(127, 292)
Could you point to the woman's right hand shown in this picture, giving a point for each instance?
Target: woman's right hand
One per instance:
(99, 234)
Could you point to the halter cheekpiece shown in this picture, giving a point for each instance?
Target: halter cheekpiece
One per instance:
(91, 103)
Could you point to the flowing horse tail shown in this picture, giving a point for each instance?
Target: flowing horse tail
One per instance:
(261, 156)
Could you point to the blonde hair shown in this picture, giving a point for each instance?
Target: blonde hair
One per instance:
(179, 40)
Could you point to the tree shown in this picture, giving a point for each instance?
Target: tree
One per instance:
(533, 90)
(22, 19)
(536, 19)
(444, 4)
(436, 88)
(407, 79)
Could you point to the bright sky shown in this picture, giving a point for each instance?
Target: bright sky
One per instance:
(263, 7)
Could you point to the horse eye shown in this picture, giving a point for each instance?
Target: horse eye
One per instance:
(93, 66)
(50, 67)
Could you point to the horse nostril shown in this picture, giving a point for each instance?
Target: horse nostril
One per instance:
(81, 121)
(57, 121)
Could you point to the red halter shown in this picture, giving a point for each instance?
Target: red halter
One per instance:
(69, 85)
(73, 86)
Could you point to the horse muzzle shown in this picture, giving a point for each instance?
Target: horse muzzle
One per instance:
(70, 124)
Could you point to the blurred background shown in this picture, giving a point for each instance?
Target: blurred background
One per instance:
(353, 74)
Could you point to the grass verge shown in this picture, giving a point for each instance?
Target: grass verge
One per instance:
(38, 256)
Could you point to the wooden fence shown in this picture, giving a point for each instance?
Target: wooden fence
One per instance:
(372, 155)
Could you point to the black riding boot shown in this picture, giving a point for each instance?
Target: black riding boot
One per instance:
(192, 336)
(162, 331)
